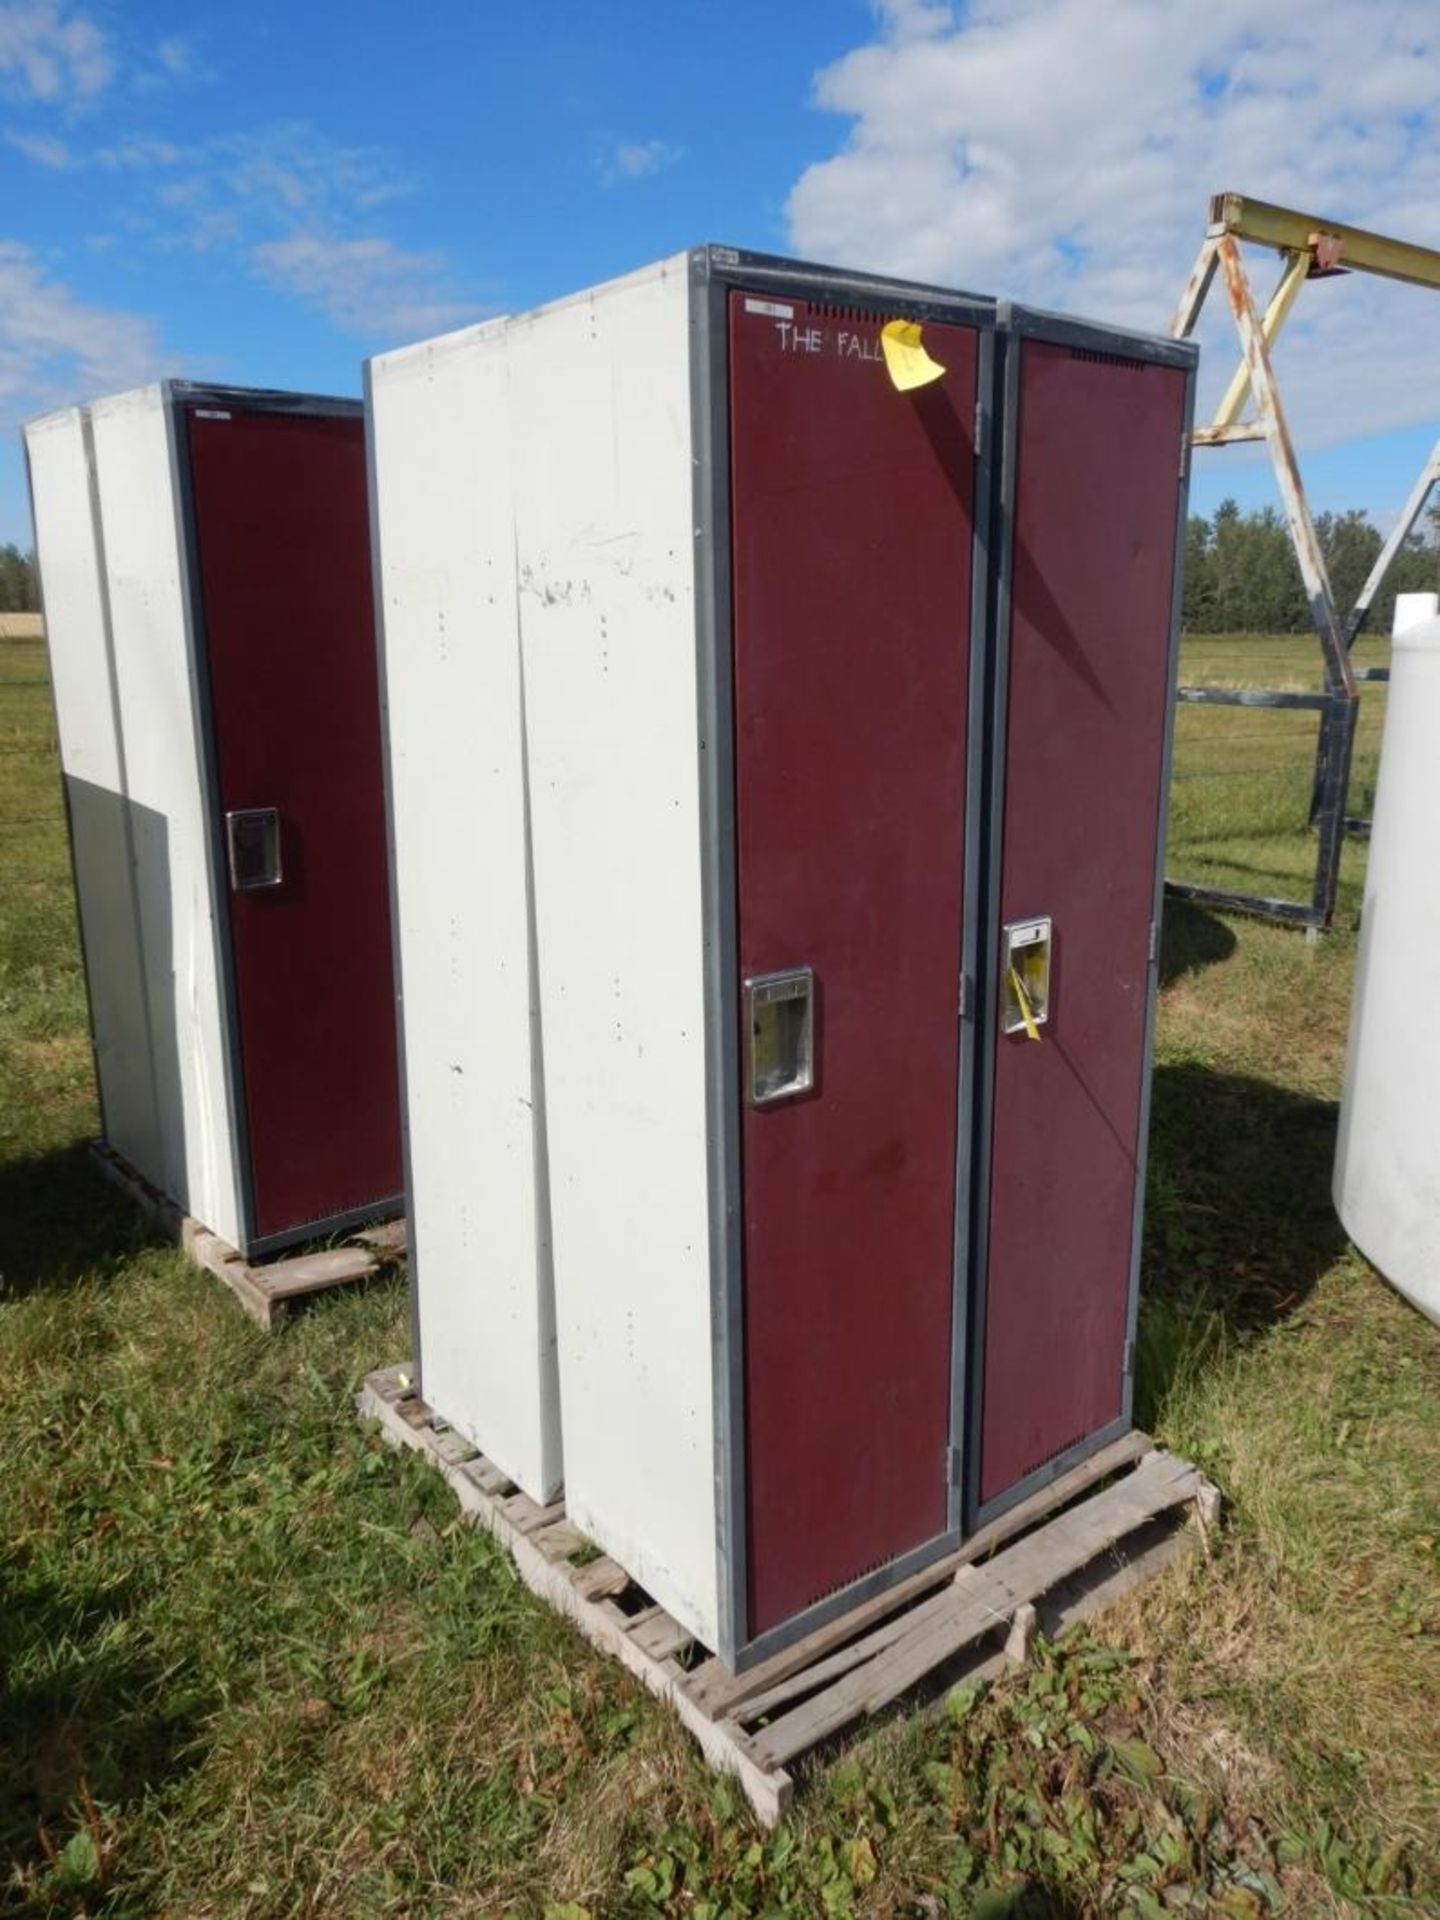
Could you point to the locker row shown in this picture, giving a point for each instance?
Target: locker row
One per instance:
(670, 793)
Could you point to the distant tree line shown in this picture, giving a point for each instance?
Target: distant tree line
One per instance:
(1240, 570)
(19, 586)
(1241, 575)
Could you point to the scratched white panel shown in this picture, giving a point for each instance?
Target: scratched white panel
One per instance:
(93, 765)
(450, 652)
(167, 807)
(601, 445)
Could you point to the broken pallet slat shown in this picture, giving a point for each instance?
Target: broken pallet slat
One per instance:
(312, 1272)
(981, 1600)
(390, 1236)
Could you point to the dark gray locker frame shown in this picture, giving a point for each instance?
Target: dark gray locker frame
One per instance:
(178, 395)
(1017, 325)
(714, 273)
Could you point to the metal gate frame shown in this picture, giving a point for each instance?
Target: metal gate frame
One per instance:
(1360, 613)
(1311, 249)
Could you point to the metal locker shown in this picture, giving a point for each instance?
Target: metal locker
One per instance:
(701, 750)
(686, 548)
(204, 554)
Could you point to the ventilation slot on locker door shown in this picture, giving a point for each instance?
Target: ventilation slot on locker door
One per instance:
(839, 1586)
(1054, 1454)
(1099, 359)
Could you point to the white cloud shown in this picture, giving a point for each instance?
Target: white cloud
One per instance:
(138, 152)
(634, 159)
(56, 348)
(365, 285)
(42, 149)
(1063, 151)
(298, 211)
(293, 208)
(50, 53)
(176, 56)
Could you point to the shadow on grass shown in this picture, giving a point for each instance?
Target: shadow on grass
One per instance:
(1239, 1224)
(78, 1718)
(1192, 938)
(60, 1218)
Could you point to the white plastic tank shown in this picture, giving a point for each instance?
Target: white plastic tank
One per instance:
(1411, 609)
(1387, 1162)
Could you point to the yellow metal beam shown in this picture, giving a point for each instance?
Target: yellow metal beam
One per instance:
(1281, 301)
(1291, 232)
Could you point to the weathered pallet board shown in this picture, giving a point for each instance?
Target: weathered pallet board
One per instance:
(1094, 1534)
(265, 1289)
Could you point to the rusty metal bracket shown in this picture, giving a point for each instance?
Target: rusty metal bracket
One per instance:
(1327, 241)
(1312, 248)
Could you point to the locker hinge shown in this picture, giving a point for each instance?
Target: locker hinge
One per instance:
(1152, 951)
(967, 997)
(1129, 1357)
(952, 1466)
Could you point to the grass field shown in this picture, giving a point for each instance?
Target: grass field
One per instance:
(1243, 774)
(250, 1664)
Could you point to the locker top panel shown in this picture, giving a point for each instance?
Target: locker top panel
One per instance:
(199, 393)
(191, 393)
(1095, 336)
(809, 280)
(714, 265)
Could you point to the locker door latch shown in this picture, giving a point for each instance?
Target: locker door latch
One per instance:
(1025, 976)
(253, 837)
(779, 1036)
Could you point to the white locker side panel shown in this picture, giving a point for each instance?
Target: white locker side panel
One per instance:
(450, 657)
(168, 809)
(93, 766)
(601, 438)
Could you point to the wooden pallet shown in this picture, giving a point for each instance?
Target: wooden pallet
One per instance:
(268, 1289)
(1093, 1534)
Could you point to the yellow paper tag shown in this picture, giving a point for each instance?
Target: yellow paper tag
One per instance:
(1027, 1012)
(906, 360)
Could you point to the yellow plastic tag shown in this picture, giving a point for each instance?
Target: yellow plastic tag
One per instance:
(906, 360)
(1022, 1000)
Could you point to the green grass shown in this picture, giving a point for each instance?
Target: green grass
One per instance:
(1241, 794)
(250, 1663)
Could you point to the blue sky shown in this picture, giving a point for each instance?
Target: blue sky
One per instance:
(265, 193)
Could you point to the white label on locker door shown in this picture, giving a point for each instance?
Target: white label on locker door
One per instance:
(772, 309)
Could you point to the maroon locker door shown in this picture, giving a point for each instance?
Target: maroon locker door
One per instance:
(1097, 474)
(281, 523)
(852, 515)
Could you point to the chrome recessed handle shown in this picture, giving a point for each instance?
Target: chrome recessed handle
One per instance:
(779, 1036)
(252, 836)
(1025, 976)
